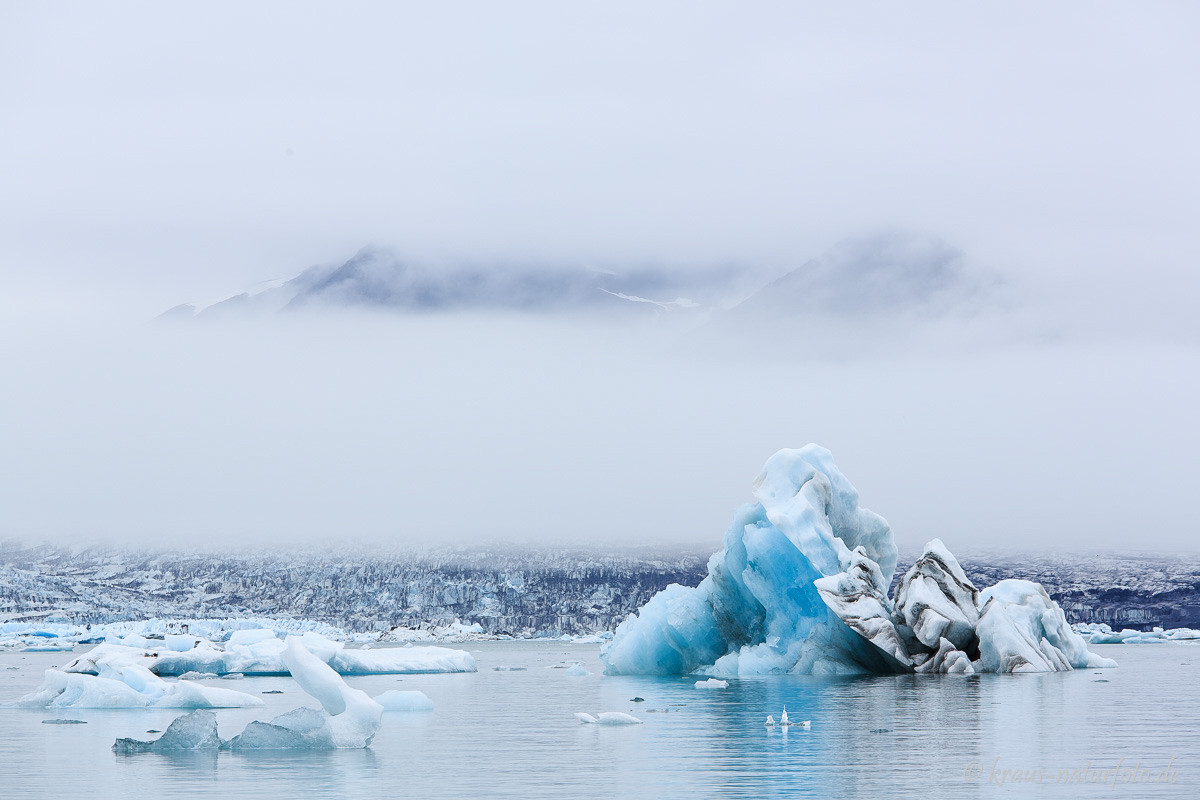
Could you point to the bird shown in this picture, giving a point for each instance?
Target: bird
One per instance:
(786, 723)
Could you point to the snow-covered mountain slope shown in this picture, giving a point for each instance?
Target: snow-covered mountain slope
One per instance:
(378, 278)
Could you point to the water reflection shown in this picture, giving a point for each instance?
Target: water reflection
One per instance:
(513, 734)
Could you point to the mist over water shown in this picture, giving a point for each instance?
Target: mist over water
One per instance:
(1026, 376)
(377, 428)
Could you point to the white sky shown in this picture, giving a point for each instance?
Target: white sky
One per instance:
(152, 154)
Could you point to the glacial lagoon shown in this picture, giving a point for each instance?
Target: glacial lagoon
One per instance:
(511, 732)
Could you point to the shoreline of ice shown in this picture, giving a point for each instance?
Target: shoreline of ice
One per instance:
(1101, 633)
(31, 637)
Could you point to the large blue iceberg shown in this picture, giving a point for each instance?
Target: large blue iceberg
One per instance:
(801, 587)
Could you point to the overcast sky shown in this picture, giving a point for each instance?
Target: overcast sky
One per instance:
(153, 154)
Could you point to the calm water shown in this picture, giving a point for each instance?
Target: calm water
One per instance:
(512, 734)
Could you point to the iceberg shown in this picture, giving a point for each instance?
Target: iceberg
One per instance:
(800, 586)
(936, 600)
(121, 683)
(1022, 630)
(260, 652)
(171, 635)
(352, 717)
(348, 717)
(1100, 633)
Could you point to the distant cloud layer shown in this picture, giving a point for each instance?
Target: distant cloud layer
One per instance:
(624, 253)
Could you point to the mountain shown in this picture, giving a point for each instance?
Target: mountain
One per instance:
(882, 274)
(868, 295)
(377, 278)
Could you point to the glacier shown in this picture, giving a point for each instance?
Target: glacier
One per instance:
(800, 586)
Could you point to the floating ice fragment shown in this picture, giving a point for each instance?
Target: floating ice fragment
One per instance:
(394, 700)
(1100, 633)
(608, 718)
(194, 731)
(301, 729)
(712, 683)
(125, 685)
(577, 671)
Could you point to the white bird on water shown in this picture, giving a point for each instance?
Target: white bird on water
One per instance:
(784, 722)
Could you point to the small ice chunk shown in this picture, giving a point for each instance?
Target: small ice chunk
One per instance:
(180, 643)
(194, 731)
(269, 736)
(585, 718)
(250, 636)
(395, 700)
(301, 729)
(399, 660)
(577, 671)
(712, 683)
(618, 718)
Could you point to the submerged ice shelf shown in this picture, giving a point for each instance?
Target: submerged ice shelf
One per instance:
(800, 586)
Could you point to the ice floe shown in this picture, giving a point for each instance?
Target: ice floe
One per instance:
(1100, 633)
(396, 700)
(177, 634)
(261, 652)
(119, 683)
